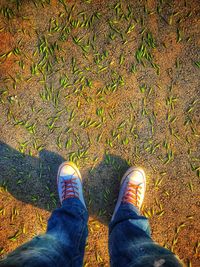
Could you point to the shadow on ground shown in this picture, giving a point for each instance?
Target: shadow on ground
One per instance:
(33, 180)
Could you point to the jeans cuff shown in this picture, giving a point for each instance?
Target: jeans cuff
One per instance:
(73, 202)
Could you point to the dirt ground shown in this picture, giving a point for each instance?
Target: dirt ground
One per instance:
(106, 84)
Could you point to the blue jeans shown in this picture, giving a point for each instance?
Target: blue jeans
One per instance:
(63, 244)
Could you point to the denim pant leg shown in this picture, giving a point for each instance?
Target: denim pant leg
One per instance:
(130, 243)
(62, 245)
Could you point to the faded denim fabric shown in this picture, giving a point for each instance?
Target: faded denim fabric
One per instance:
(130, 243)
(63, 245)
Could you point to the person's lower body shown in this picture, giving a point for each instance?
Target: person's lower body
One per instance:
(130, 243)
(63, 244)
